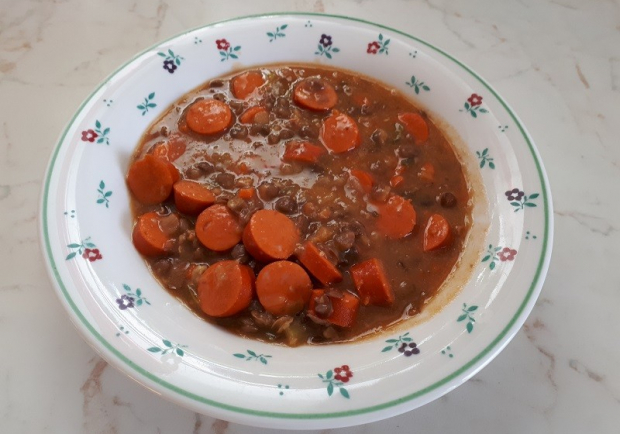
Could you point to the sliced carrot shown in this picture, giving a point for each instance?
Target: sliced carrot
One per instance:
(174, 172)
(371, 283)
(192, 198)
(364, 178)
(217, 229)
(171, 149)
(225, 288)
(208, 116)
(415, 125)
(395, 181)
(437, 233)
(247, 117)
(314, 93)
(397, 217)
(318, 265)
(270, 236)
(400, 169)
(148, 237)
(283, 288)
(344, 310)
(427, 172)
(150, 179)
(339, 133)
(302, 151)
(246, 193)
(245, 84)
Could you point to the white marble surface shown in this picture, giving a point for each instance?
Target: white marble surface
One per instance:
(556, 62)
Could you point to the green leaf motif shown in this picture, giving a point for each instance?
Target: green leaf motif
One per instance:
(386, 349)
(534, 196)
(472, 308)
(492, 165)
(530, 204)
(336, 50)
(380, 37)
(70, 256)
(344, 392)
(486, 258)
(284, 26)
(151, 95)
(239, 355)
(154, 350)
(271, 35)
(330, 389)
(462, 317)
(329, 56)
(263, 360)
(329, 374)
(180, 352)
(473, 114)
(74, 246)
(102, 185)
(97, 124)
(251, 353)
(167, 343)
(492, 265)
(470, 327)
(466, 106)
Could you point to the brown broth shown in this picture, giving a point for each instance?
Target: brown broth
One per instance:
(325, 200)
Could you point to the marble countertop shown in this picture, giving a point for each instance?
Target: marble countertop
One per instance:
(556, 62)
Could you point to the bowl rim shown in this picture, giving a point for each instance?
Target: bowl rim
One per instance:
(153, 381)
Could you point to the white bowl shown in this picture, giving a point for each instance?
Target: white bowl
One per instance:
(86, 226)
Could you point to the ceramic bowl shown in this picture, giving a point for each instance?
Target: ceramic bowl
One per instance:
(138, 327)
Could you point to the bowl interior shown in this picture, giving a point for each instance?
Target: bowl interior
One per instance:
(86, 228)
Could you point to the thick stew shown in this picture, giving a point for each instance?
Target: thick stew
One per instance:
(298, 204)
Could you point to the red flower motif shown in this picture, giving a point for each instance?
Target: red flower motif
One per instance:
(474, 100)
(89, 136)
(92, 254)
(343, 373)
(222, 44)
(373, 47)
(507, 254)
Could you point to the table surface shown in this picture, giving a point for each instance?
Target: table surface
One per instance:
(556, 62)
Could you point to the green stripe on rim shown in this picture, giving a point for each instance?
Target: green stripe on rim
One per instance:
(513, 325)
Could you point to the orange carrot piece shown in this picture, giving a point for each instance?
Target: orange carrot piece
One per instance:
(171, 149)
(208, 116)
(283, 288)
(397, 217)
(270, 236)
(371, 283)
(191, 197)
(302, 151)
(217, 229)
(225, 288)
(427, 172)
(316, 94)
(150, 179)
(396, 181)
(148, 237)
(247, 117)
(245, 84)
(416, 126)
(344, 309)
(437, 233)
(339, 133)
(246, 193)
(364, 178)
(318, 265)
